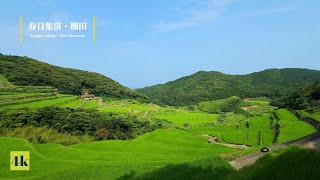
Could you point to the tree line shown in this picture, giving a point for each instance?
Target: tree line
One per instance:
(80, 122)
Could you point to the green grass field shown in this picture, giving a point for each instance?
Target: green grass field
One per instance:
(110, 159)
(72, 104)
(127, 106)
(257, 106)
(20, 95)
(161, 153)
(39, 102)
(180, 117)
(291, 127)
(91, 104)
(287, 163)
(241, 134)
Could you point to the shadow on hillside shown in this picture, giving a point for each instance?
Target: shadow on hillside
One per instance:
(127, 176)
(291, 163)
(182, 171)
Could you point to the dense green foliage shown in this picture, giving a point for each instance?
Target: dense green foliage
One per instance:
(222, 105)
(303, 98)
(25, 71)
(37, 135)
(206, 86)
(79, 122)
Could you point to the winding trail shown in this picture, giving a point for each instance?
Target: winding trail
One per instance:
(214, 140)
(145, 114)
(100, 102)
(310, 141)
(82, 104)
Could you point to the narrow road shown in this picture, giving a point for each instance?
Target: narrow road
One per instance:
(212, 139)
(310, 141)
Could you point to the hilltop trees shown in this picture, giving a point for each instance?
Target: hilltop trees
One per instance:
(302, 98)
(25, 71)
(207, 86)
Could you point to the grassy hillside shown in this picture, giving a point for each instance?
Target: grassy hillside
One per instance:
(288, 163)
(312, 113)
(178, 151)
(150, 157)
(24, 71)
(291, 127)
(206, 86)
(112, 138)
(219, 105)
(112, 159)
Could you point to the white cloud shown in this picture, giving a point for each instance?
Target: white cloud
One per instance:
(103, 22)
(200, 13)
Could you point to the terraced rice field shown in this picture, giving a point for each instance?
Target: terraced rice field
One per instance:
(91, 104)
(73, 104)
(38, 102)
(181, 117)
(314, 114)
(111, 159)
(241, 134)
(291, 127)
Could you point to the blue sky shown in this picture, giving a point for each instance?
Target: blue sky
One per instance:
(146, 42)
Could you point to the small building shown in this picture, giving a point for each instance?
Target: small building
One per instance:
(88, 96)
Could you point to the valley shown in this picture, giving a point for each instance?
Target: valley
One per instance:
(126, 135)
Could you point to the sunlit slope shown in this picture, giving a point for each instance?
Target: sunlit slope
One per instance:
(110, 159)
(24, 71)
(258, 130)
(291, 127)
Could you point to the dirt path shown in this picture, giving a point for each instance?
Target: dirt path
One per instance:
(100, 102)
(214, 140)
(310, 141)
(81, 105)
(145, 114)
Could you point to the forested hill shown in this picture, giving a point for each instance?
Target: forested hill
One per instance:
(203, 86)
(25, 71)
(302, 98)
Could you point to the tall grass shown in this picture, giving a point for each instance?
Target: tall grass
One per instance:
(38, 135)
(288, 163)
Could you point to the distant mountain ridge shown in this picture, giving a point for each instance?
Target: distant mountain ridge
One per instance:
(25, 71)
(204, 86)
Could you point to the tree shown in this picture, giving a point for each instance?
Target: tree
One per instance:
(102, 134)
